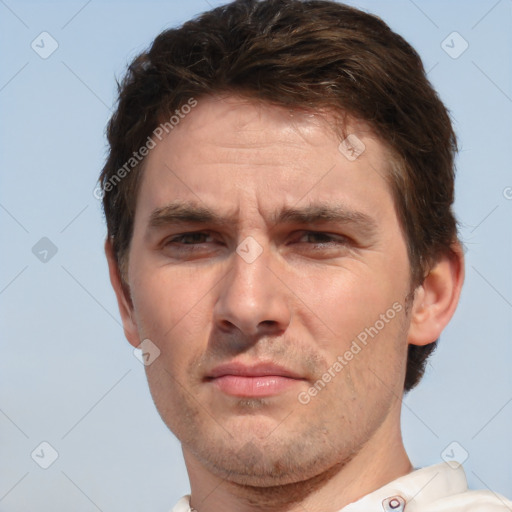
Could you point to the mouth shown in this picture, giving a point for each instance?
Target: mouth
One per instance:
(259, 380)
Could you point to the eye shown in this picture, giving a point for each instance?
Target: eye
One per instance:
(191, 244)
(322, 239)
(188, 239)
(320, 245)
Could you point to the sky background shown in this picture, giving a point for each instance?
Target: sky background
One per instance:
(68, 376)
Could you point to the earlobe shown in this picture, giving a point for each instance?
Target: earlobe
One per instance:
(436, 299)
(124, 301)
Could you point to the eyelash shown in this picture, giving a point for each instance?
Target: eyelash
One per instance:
(195, 233)
(337, 239)
(333, 238)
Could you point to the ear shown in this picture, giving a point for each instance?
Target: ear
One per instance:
(123, 297)
(436, 299)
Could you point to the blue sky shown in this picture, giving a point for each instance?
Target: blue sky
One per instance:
(69, 377)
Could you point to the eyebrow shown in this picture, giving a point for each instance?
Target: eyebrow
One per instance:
(181, 213)
(186, 213)
(320, 213)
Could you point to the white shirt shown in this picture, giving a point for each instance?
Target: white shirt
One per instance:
(439, 488)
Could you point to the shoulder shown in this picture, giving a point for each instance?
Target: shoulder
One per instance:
(183, 505)
(471, 501)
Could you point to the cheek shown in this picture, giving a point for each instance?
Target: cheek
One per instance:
(357, 314)
(171, 318)
(348, 300)
(170, 307)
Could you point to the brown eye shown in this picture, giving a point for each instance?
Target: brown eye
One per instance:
(320, 238)
(189, 238)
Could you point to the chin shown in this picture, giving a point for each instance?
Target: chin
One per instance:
(275, 482)
(266, 465)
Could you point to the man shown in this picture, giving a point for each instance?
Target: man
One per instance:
(281, 242)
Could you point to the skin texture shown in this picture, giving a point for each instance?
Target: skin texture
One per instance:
(300, 304)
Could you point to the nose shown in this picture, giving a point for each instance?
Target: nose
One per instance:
(252, 299)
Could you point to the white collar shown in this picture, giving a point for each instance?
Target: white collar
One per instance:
(417, 490)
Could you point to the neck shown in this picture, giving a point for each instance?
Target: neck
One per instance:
(381, 460)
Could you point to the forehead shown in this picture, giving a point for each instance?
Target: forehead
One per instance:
(235, 153)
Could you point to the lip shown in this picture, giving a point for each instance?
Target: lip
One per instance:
(256, 370)
(258, 380)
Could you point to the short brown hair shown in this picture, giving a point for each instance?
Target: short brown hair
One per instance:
(312, 54)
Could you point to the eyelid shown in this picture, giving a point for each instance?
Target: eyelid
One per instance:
(302, 232)
(335, 237)
(172, 238)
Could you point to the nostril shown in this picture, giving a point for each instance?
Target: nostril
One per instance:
(270, 327)
(226, 325)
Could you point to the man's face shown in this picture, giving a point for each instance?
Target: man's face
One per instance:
(260, 252)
